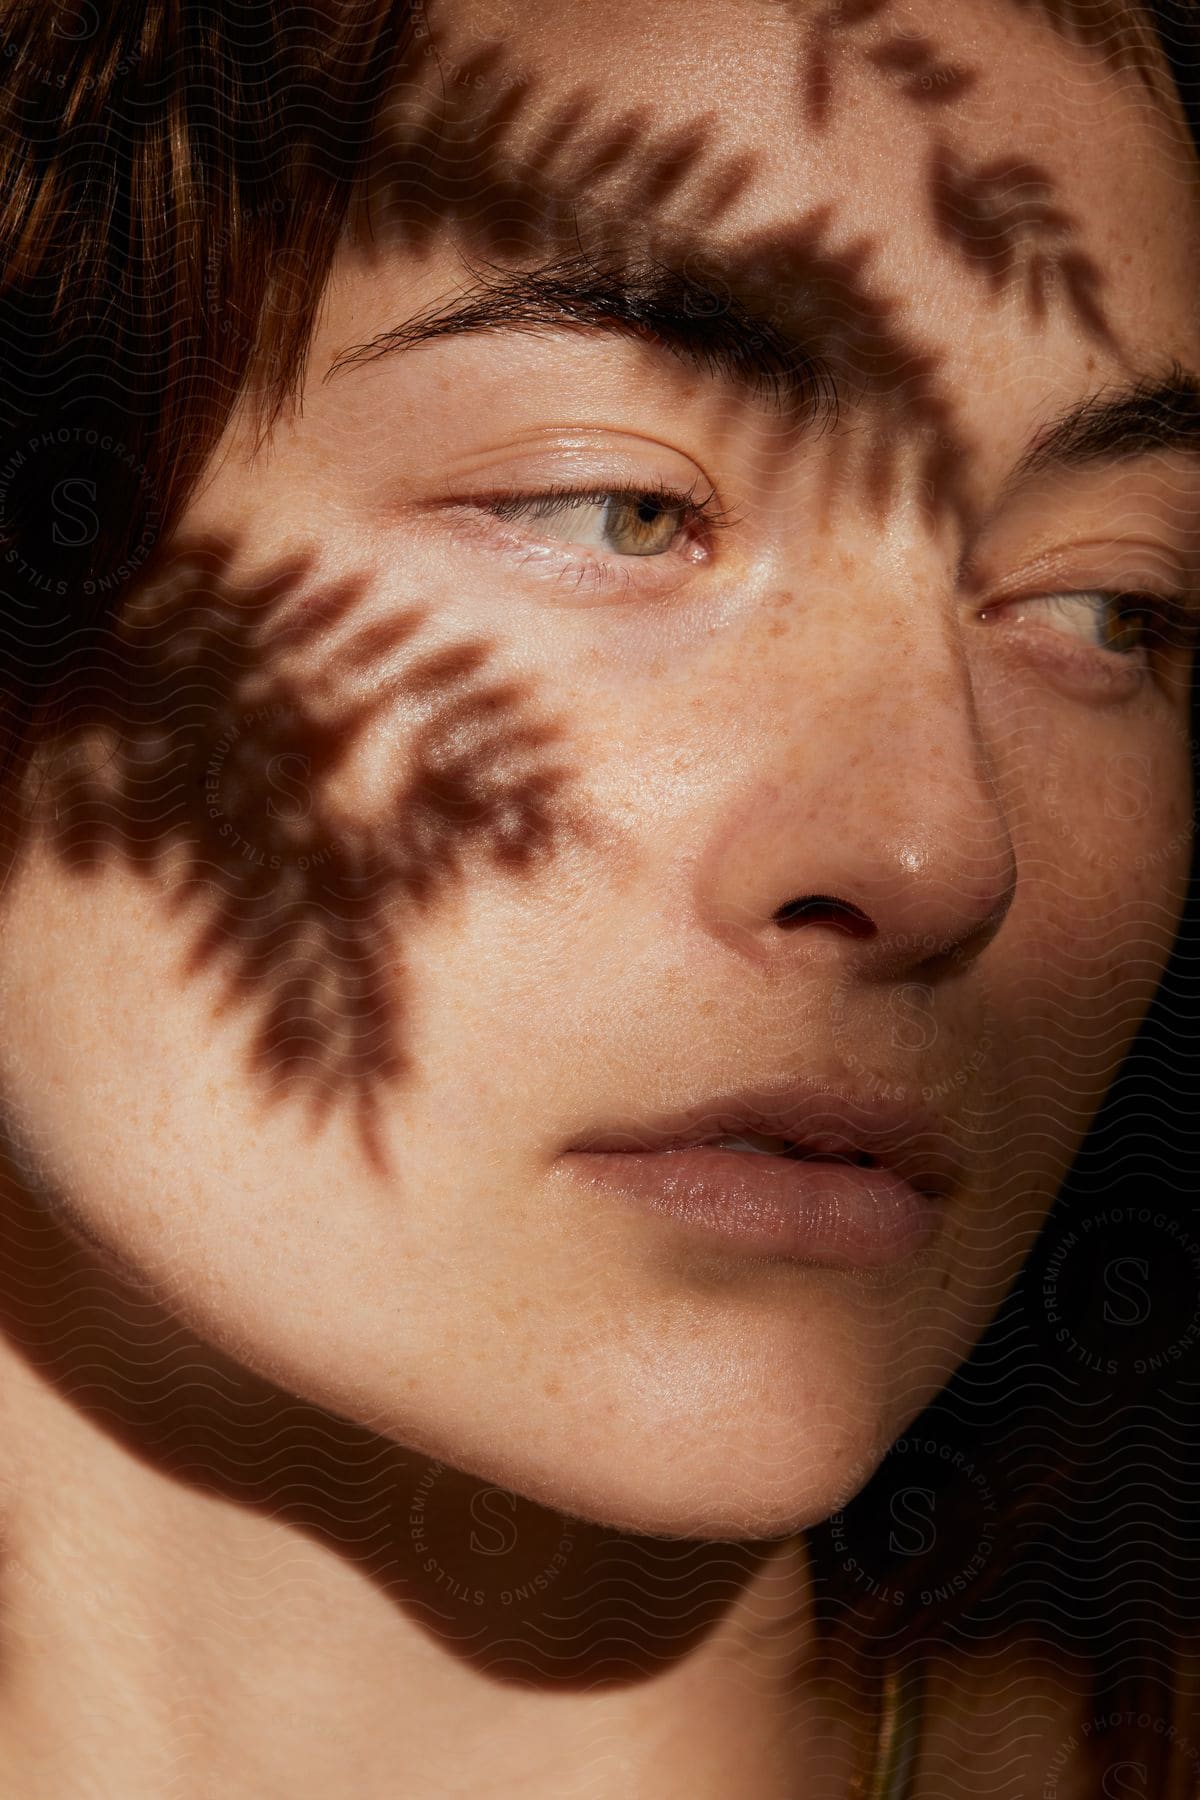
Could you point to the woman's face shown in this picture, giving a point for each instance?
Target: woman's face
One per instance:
(434, 822)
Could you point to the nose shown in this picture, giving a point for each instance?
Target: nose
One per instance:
(865, 805)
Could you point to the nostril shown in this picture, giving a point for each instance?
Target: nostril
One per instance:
(824, 909)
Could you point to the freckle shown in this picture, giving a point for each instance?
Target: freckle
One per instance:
(553, 1388)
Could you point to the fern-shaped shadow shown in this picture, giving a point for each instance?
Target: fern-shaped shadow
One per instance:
(211, 747)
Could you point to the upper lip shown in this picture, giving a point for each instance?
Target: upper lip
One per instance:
(822, 1118)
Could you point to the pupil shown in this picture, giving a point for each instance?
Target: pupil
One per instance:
(641, 525)
(1129, 625)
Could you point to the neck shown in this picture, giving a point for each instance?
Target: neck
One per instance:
(209, 1585)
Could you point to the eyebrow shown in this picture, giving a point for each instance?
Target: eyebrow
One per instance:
(705, 327)
(726, 339)
(1154, 412)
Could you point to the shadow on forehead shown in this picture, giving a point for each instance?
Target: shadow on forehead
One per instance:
(516, 176)
(205, 746)
(519, 169)
(1119, 33)
(516, 170)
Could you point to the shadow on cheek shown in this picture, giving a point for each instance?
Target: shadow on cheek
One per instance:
(208, 746)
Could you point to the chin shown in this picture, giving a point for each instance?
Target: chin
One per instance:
(750, 1504)
(752, 1481)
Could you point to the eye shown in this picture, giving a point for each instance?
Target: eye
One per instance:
(1120, 623)
(640, 525)
(621, 522)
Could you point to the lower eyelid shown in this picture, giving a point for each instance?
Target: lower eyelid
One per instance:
(612, 577)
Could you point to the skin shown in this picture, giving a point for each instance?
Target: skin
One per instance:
(315, 1179)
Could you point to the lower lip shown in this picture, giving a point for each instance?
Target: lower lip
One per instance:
(838, 1215)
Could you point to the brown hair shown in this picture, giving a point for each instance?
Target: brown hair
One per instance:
(176, 179)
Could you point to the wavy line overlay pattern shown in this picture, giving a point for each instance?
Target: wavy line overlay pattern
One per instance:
(316, 786)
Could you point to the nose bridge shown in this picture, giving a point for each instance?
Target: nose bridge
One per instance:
(865, 803)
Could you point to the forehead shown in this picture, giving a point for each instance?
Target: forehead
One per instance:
(1012, 173)
(674, 53)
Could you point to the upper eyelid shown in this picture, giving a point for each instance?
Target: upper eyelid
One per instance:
(565, 495)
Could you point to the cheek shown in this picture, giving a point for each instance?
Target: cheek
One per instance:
(300, 781)
(1102, 800)
(1113, 811)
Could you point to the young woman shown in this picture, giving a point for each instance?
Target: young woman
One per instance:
(598, 784)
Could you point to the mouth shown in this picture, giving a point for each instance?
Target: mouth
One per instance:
(807, 1174)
